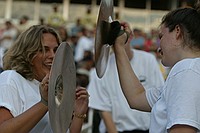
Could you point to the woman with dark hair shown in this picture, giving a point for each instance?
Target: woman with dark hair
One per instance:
(175, 108)
(24, 84)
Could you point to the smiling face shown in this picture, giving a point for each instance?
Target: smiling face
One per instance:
(42, 61)
(169, 46)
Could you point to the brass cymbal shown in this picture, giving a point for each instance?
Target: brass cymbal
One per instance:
(102, 48)
(107, 31)
(62, 85)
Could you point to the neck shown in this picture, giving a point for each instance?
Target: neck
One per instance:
(37, 77)
(189, 53)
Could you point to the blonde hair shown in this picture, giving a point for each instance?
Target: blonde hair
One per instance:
(19, 56)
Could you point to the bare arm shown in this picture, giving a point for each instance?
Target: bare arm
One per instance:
(24, 122)
(182, 129)
(131, 86)
(81, 107)
(76, 125)
(110, 125)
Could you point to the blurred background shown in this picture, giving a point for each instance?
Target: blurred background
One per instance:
(75, 21)
(144, 14)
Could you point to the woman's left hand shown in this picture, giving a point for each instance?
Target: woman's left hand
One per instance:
(81, 102)
(44, 87)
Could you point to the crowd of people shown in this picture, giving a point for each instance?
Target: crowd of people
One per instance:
(151, 83)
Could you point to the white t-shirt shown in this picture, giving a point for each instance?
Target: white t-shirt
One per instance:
(19, 94)
(6, 43)
(106, 93)
(83, 44)
(178, 101)
(2, 51)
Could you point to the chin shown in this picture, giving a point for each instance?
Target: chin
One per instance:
(164, 63)
(47, 69)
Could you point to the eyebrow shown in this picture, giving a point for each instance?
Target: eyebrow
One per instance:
(48, 46)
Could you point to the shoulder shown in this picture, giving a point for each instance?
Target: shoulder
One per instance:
(10, 76)
(143, 53)
(92, 73)
(9, 73)
(186, 65)
(143, 56)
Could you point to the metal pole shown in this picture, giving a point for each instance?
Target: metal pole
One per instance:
(66, 9)
(8, 9)
(148, 16)
(37, 10)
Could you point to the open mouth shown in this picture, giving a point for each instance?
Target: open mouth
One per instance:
(48, 65)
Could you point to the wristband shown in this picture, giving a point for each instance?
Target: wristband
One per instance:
(81, 116)
(45, 102)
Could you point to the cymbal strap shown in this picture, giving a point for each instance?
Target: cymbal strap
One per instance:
(110, 31)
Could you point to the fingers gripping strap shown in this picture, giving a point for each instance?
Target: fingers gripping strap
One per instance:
(115, 31)
(110, 31)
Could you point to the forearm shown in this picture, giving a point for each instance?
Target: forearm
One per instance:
(80, 111)
(25, 121)
(130, 84)
(110, 125)
(182, 129)
(76, 125)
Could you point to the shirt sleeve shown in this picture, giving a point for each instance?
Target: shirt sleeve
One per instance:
(157, 79)
(9, 97)
(152, 95)
(156, 82)
(99, 98)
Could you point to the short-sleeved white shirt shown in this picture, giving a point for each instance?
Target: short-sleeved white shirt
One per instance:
(12, 33)
(178, 101)
(19, 94)
(83, 44)
(106, 93)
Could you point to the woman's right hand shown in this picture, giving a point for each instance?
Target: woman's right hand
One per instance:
(124, 38)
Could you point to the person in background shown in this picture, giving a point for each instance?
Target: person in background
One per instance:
(23, 24)
(62, 31)
(8, 36)
(55, 19)
(76, 28)
(24, 84)
(84, 43)
(88, 19)
(42, 21)
(7, 39)
(107, 97)
(138, 40)
(175, 107)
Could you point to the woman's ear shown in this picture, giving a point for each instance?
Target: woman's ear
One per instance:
(178, 31)
(178, 35)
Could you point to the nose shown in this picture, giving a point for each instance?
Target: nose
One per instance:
(51, 53)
